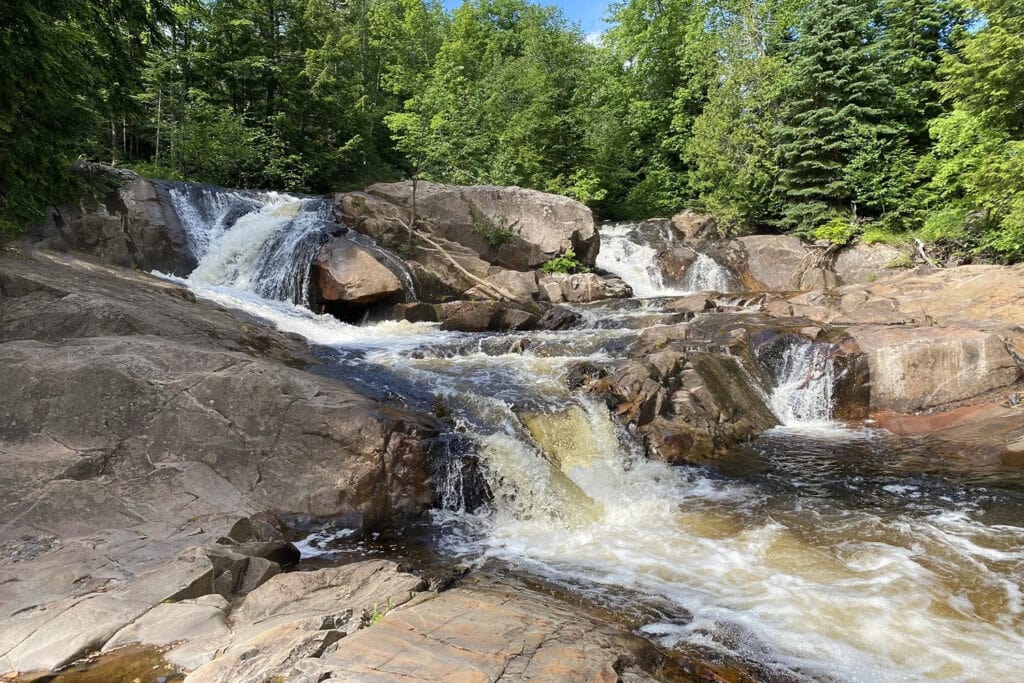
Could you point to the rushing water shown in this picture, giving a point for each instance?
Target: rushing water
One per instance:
(812, 553)
(630, 250)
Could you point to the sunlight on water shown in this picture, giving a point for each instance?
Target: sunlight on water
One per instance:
(810, 564)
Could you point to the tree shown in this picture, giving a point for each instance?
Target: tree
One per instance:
(660, 63)
(731, 148)
(834, 103)
(67, 65)
(976, 200)
(499, 104)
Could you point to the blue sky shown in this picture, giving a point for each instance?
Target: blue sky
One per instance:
(587, 12)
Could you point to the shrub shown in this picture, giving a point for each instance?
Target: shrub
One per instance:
(565, 264)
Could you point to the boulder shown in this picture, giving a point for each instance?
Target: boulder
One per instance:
(417, 313)
(132, 223)
(437, 278)
(345, 272)
(687, 404)
(782, 263)
(520, 285)
(693, 226)
(371, 621)
(581, 288)
(507, 226)
(914, 369)
(675, 261)
(777, 262)
(191, 630)
(981, 297)
(484, 316)
(864, 263)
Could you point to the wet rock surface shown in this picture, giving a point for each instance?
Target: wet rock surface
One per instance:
(687, 399)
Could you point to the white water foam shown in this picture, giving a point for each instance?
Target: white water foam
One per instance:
(706, 275)
(815, 594)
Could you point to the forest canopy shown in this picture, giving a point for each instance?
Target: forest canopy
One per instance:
(832, 119)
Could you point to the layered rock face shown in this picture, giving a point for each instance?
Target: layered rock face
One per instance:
(371, 621)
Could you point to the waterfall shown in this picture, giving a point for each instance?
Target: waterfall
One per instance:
(804, 378)
(207, 212)
(705, 274)
(630, 251)
(263, 242)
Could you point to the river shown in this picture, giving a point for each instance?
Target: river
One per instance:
(820, 551)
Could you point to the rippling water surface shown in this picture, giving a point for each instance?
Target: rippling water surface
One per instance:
(817, 552)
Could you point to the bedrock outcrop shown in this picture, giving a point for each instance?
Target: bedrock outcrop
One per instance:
(780, 262)
(933, 338)
(127, 221)
(139, 424)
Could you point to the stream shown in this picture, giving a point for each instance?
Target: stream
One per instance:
(820, 551)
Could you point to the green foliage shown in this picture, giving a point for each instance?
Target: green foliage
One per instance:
(834, 103)
(495, 234)
(565, 264)
(877, 234)
(731, 149)
(156, 171)
(66, 65)
(841, 230)
(892, 119)
(500, 104)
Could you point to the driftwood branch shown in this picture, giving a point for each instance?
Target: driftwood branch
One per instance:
(928, 259)
(491, 287)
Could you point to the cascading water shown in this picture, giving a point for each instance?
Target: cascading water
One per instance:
(259, 243)
(805, 379)
(630, 251)
(706, 275)
(808, 559)
(262, 243)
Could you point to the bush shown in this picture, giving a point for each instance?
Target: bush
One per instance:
(495, 234)
(156, 171)
(840, 230)
(565, 264)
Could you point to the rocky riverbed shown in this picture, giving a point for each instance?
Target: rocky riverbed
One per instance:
(168, 440)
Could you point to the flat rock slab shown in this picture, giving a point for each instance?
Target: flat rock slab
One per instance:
(486, 632)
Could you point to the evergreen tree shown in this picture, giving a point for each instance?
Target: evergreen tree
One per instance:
(67, 66)
(834, 104)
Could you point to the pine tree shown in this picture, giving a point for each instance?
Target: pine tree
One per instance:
(835, 99)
